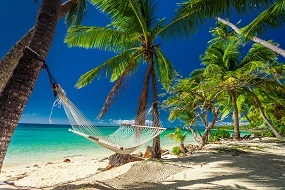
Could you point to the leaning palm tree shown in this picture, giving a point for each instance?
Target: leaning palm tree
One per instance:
(132, 35)
(26, 59)
(15, 95)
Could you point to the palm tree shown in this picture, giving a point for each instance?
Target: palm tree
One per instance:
(132, 35)
(74, 8)
(14, 96)
(178, 137)
(228, 71)
(192, 13)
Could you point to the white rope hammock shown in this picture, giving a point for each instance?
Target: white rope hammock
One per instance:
(126, 139)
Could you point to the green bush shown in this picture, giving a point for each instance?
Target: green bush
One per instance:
(176, 150)
(219, 134)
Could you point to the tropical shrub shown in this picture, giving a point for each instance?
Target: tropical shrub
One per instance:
(219, 134)
(176, 150)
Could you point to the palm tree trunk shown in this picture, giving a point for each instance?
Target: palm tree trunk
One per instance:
(271, 46)
(141, 114)
(277, 134)
(15, 95)
(236, 134)
(11, 59)
(156, 152)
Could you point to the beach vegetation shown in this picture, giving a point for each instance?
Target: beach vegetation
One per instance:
(229, 84)
(176, 150)
(218, 135)
(178, 137)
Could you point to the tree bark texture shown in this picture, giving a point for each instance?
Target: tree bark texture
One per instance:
(16, 93)
(236, 134)
(259, 105)
(11, 59)
(156, 152)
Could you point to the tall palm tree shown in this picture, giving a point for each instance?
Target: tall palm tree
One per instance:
(15, 95)
(132, 35)
(75, 10)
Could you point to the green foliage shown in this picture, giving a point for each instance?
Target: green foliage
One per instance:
(176, 150)
(193, 13)
(269, 133)
(76, 14)
(177, 136)
(219, 134)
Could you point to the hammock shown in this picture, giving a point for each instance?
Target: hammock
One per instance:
(126, 139)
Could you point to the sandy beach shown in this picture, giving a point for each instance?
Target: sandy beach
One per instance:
(253, 164)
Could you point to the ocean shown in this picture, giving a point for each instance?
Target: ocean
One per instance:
(33, 143)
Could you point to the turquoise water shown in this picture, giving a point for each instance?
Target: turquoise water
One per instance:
(44, 142)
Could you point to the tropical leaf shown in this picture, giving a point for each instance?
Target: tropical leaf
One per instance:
(99, 37)
(108, 68)
(164, 69)
(273, 17)
(75, 16)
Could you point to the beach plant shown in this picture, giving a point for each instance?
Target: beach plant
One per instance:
(134, 34)
(176, 150)
(178, 137)
(218, 135)
(190, 104)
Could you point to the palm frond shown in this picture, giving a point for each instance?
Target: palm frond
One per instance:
(99, 37)
(272, 18)
(108, 68)
(258, 53)
(193, 13)
(164, 69)
(209, 8)
(76, 14)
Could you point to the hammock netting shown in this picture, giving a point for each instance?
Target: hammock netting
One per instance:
(126, 139)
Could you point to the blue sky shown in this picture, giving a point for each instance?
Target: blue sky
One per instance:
(68, 64)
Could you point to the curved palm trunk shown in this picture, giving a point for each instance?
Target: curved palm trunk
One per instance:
(259, 105)
(140, 118)
(236, 134)
(156, 152)
(15, 95)
(11, 59)
(271, 46)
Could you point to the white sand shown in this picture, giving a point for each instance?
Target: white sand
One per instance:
(260, 165)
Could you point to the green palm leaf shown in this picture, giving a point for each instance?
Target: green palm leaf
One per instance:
(76, 14)
(99, 37)
(164, 69)
(272, 17)
(109, 68)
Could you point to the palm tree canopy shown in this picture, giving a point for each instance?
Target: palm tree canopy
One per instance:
(191, 13)
(131, 35)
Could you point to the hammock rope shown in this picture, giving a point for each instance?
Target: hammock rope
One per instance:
(126, 139)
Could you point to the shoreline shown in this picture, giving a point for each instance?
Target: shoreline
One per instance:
(250, 164)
